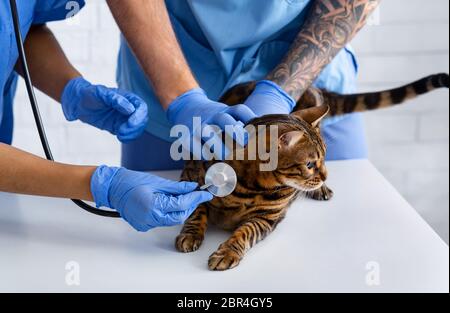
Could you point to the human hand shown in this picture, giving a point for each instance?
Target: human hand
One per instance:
(195, 103)
(121, 113)
(145, 201)
(268, 98)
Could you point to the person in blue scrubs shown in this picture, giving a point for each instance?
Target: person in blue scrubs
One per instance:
(144, 201)
(171, 47)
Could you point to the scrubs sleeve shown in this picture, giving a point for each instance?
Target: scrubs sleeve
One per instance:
(56, 10)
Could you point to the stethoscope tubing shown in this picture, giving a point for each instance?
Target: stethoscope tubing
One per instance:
(36, 112)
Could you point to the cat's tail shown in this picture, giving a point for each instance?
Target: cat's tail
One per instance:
(345, 104)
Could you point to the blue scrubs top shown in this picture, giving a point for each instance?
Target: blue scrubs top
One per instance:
(30, 12)
(230, 42)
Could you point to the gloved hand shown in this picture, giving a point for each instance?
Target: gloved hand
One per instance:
(195, 103)
(269, 98)
(143, 200)
(121, 113)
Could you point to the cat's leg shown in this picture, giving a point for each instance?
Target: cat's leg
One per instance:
(322, 194)
(193, 232)
(231, 252)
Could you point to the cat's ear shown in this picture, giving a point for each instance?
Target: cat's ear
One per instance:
(313, 116)
(290, 139)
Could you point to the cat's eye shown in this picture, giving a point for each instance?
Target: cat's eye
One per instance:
(311, 165)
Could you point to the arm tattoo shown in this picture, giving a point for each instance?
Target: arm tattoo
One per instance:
(329, 27)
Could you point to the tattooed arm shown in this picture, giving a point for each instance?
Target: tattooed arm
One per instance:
(330, 26)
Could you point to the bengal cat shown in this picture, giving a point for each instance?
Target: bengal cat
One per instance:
(261, 199)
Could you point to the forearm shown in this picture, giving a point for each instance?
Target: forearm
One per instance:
(23, 173)
(49, 68)
(148, 30)
(330, 26)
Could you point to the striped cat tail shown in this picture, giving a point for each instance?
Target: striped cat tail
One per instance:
(345, 104)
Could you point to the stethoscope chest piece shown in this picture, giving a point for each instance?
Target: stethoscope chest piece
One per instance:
(220, 180)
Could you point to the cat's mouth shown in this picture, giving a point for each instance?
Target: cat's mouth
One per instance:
(307, 187)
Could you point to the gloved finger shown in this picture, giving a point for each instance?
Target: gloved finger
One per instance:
(242, 113)
(139, 226)
(216, 152)
(158, 215)
(134, 126)
(139, 116)
(224, 121)
(191, 201)
(170, 187)
(142, 228)
(214, 146)
(232, 127)
(126, 135)
(118, 102)
(193, 145)
(186, 203)
(134, 99)
(239, 134)
(175, 218)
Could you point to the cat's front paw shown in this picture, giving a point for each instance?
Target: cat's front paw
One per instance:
(322, 194)
(188, 242)
(223, 259)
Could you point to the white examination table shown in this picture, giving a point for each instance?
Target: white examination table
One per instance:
(367, 239)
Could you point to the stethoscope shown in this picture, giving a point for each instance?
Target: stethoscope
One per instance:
(220, 179)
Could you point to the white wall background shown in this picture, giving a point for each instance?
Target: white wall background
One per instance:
(410, 145)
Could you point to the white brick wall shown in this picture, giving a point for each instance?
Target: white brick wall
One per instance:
(91, 42)
(409, 144)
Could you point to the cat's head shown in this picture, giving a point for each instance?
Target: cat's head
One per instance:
(301, 150)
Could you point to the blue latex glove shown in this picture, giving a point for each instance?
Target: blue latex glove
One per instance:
(145, 201)
(121, 113)
(268, 98)
(195, 103)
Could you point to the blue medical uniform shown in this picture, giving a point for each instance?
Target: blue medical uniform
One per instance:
(31, 12)
(227, 43)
